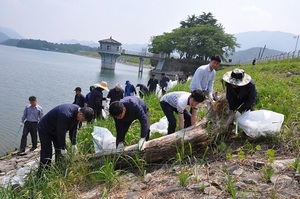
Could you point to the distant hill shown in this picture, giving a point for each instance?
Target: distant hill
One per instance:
(249, 54)
(10, 33)
(251, 42)
(276, 40)
(133, 47)
(84, 43)
(3, 37)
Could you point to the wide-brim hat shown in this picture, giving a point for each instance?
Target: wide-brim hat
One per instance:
(102, 85)
(237, 77)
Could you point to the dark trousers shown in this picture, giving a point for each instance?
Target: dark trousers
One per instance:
(29, 127)
(169, 112)
(121, 135)
(46, 140)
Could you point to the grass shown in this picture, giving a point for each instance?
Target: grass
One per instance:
(276, 92)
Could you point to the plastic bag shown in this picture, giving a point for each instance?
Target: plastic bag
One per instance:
(103, 139)
(260, 122)
(160, 127)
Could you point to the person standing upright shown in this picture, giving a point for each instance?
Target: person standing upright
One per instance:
(129, 89)
(95, 101)
(115, 94)
(87, 97)
(152, 83)
(79, 98)
(204, 76)
(164, 83)
(31, 116)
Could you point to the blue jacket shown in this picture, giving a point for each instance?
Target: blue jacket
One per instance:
(95, 101)
(59, 120)
(79, 100)
(135, 109)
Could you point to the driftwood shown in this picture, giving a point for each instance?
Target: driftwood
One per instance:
(216, 122)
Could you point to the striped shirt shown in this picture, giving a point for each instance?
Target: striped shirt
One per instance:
(32, 114)
(178, 100)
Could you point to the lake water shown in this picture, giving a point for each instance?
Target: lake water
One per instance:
(52, 78)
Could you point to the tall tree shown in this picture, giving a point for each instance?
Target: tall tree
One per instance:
(198, 37)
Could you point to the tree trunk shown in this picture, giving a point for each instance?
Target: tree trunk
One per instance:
(191, 139)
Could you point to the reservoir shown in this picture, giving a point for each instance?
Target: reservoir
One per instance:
(52, 78)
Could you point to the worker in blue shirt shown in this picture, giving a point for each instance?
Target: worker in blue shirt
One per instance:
(124, 113)
(31, 116)
(54, 126)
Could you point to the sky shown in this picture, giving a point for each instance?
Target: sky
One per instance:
(136, 21)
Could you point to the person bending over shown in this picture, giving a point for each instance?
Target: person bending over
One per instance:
(179, 102)
(124, 113)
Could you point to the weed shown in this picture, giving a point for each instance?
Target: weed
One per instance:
(241, 154)
(229, 154)
(184, 178)
(138, 162)
(230, 187)
(267, 172)
(271, 155)
(296, 165)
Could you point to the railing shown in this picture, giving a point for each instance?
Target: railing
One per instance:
(281, 56)
(144, 54)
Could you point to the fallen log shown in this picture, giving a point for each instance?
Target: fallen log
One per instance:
(216, 122)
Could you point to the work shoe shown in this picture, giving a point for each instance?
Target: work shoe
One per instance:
(21, 153)
(33, 148)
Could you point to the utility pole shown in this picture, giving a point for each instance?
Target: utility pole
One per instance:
(296, 36)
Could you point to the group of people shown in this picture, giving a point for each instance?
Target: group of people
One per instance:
(125, 108)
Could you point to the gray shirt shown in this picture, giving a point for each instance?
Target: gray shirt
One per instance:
(32, 114)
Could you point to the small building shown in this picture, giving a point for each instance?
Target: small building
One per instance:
(109, 50)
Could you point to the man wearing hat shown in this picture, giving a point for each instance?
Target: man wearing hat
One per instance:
(240, 91)
(79, 98)
(96, 98)
(129, 89)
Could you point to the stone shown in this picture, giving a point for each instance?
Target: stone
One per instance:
(258, 165)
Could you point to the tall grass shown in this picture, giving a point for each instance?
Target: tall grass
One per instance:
(276, 92)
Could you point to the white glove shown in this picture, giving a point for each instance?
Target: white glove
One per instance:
(21, 124)
(120, 146)
(142, 144)
(63, 152)
(74, 149)
(237, 114)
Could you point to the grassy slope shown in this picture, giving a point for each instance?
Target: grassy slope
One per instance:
(276, 92)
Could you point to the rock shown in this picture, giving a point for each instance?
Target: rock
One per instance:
(212, 190)
(288, 74)
(258, 165)
(147, 178)
(281, 165)
(137, 186)
(238, 172)
(133, 195)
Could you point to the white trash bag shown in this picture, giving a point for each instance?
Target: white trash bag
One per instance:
(160, 127)
(103, 139)
(260, 123)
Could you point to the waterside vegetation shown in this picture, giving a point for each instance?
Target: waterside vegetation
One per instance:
(278, 90)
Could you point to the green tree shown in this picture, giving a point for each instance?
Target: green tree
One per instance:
(198, 37)
(204, 19)
(162, 44)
